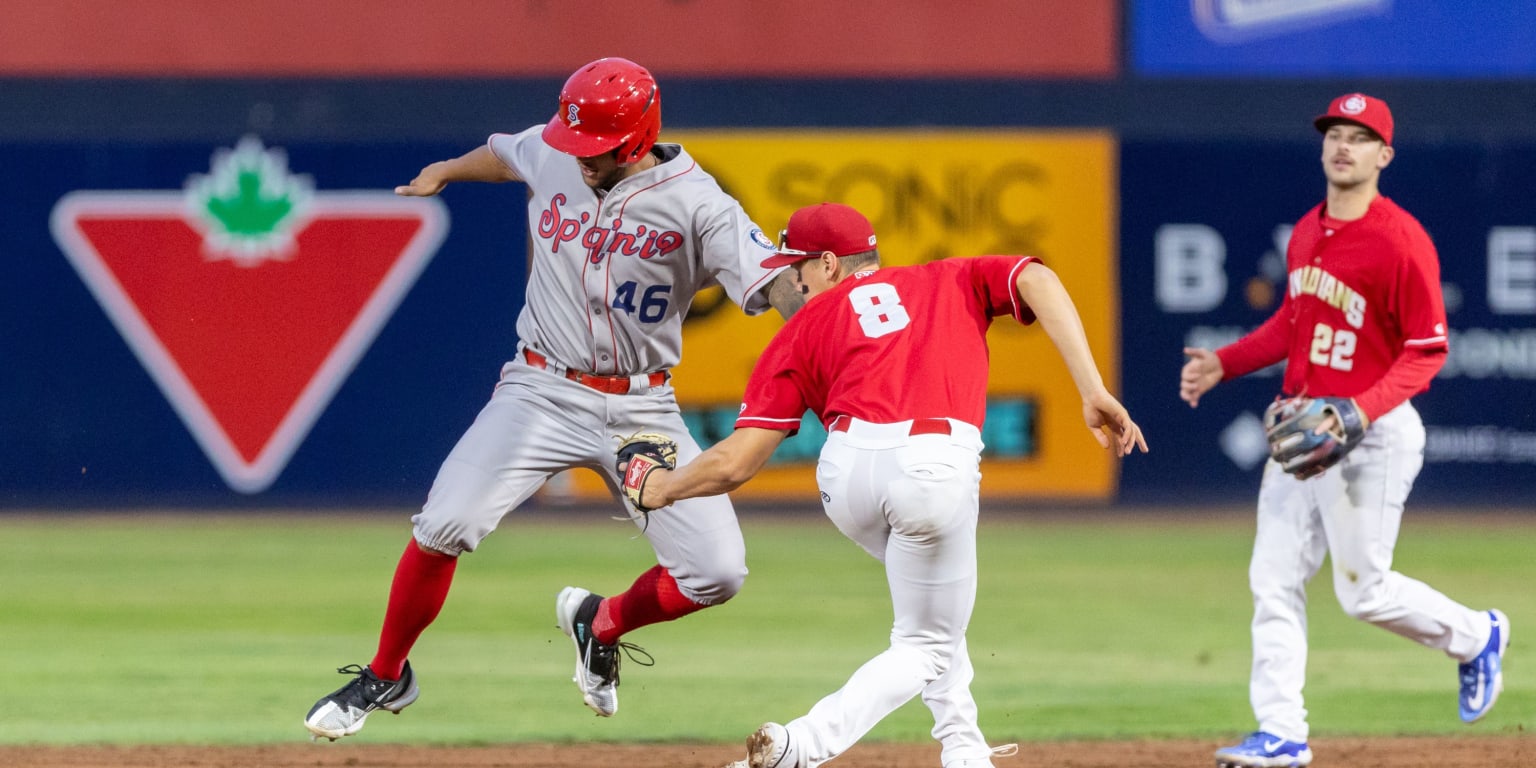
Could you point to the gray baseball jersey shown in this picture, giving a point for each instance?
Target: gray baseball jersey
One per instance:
(612, 278)
(611, 281)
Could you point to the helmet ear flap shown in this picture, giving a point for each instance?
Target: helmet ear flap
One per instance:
(643, 136)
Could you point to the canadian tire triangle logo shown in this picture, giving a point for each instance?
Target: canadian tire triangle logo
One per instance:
(248, 296)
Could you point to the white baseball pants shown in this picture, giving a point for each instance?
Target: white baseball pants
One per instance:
(911, 502)
(1351, 512)
(537, 424)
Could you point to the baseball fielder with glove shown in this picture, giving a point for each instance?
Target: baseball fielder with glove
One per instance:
(893, 361)
(624, 231)
(1361, 329)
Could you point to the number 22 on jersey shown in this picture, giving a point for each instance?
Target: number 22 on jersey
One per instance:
(1333, 348)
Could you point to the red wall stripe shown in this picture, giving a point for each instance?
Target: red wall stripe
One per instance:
(467, 38)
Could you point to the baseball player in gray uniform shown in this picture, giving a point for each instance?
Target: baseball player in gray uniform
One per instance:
(624, 232)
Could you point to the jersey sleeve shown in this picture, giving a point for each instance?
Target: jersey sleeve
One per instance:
(1420, 305)
(1409, 375)
(996, 281)
(520, 151)
(1262, 347)
(733, 249)
(773, 399)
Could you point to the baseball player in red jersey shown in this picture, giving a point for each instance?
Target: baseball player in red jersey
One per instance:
(893, 361)
(624, 231)
(1361, 330)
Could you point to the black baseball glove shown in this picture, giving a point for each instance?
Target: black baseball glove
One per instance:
(1291, 426)
(643, 454)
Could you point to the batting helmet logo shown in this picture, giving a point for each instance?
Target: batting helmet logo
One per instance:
(619, 107)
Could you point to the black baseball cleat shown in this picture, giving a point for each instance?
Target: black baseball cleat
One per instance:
(597, 663)
(343, 712)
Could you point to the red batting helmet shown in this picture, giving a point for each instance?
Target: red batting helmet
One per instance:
(610, 104)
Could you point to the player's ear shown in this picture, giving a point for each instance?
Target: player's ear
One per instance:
(829, 265)
(1384, 158)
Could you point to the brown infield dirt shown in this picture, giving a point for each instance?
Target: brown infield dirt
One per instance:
(1365, 752)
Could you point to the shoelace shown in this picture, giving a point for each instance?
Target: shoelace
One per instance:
(368, 687)
(606, 659)
(631, 650)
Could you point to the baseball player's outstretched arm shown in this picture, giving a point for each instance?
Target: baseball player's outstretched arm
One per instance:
(478, 164)
(1201, 373)
(1106, 418)
(723, 468)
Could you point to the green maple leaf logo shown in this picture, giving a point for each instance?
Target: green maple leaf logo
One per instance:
(249, 205)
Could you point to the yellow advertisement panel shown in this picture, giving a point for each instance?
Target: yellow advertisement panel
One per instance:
(930, 194)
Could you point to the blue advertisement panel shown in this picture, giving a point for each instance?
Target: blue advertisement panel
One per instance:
(301, 336)
(1203, 263)
(1328, 38)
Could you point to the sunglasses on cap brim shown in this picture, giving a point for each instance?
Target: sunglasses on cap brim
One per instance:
(785, 250)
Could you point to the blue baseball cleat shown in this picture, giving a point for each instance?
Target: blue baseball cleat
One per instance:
(1482, 679)
(1264, 750)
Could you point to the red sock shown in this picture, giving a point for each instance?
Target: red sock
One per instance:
(415, 597)
(653, 598)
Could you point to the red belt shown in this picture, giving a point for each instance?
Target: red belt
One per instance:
(919, 426)
(613, 385)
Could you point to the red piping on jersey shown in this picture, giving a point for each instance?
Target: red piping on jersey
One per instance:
(1013, 287)
(608, 285)
(751, 289)
(658, 183)
(498, 157)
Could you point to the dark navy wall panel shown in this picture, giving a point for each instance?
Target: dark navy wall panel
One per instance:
(1481, 411)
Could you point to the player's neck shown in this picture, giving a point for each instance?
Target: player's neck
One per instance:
(643, 164)
(1350, 203)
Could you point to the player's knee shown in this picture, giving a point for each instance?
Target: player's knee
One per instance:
(716, 587)
(928, 652)
(1363, 602)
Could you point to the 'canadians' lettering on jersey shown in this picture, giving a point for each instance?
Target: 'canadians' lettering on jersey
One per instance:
(1316, 281)
(599, 242)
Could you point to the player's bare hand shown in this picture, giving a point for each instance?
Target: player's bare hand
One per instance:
(1111, 424)
(429, 182)
(1202, 371)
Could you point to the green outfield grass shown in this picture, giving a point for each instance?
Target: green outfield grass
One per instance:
(1090, 624)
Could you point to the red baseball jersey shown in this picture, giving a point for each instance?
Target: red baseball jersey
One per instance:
(1359, 293)
(888, 345)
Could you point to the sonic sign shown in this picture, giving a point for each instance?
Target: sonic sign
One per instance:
(248, 295)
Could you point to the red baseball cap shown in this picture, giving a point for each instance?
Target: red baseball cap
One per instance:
(822, 227)
(1360, 109)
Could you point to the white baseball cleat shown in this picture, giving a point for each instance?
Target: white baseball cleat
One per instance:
(597, 663)
(343, 712)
